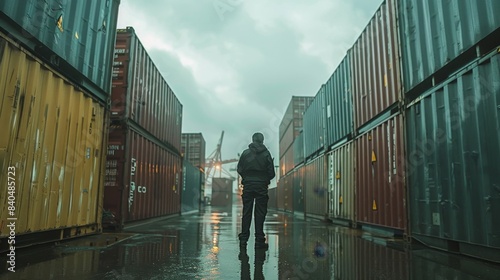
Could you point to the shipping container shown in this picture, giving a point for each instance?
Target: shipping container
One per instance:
(191, 187)
(453, 161)
(287, 162)
(193, 149)
(442, 35)
(222, 192)
(380, 178)
(272, 203)
(314, 129)
(296, 108)
(285, 193)
(73, 37)
(298, 150)
(338, 99)
(341, 186)
(143, 176)
(375, 66)
(141, 94)
(52, 155)
(315, 188)
(298, 189)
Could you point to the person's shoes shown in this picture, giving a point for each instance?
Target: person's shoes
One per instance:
(264, 246)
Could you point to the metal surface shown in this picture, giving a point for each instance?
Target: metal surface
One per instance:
(74, 37)
(280, 194)
(316, 187)
(222, 192)
(193, 148)
(298, 189)
(51, 150)
(191, 187)
(287, 162)
(453, 160)
(380, 188)
(375, 66)
(285, 193)
(142, 177)
(272, 203)
(298, 150)
(341, 186)
(141, 94)
(435, 34)
(315, 124)
(294, 111)
(338, 99)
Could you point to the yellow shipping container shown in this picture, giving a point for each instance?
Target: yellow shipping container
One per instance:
(51, 151)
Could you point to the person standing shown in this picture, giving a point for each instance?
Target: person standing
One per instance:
(256, 168)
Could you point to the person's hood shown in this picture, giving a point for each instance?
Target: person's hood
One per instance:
(257, 147)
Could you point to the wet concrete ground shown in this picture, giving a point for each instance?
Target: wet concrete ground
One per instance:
(205, 246)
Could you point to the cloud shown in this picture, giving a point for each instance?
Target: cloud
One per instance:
(235, 64)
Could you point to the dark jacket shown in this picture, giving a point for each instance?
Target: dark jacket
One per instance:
(256, 165)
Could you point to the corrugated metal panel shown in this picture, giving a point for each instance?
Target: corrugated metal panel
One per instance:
(435, 33)
(298, 189)
(281, 194)
(338, 98)
(193, 148)
(191, 187)
(272, 203)
(288, 192)
(294, 111)
(380, 188)
(314, 124)
(222, 192)
(141, 94)
(315, 187)
(142, 177)
(375, 66)
(454, 148)
(287, 139)
(74, 37)
(341, 185)
(287, 162)
(298, 150)
(54, 146)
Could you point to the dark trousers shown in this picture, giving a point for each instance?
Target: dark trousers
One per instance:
(251, 193)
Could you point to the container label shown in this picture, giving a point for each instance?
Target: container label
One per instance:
(132, 183)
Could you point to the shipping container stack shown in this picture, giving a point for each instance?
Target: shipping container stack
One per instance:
(452, 91)
(53, 105)
(222, 193)
(144, 163)
(291, 154)
(193, 151)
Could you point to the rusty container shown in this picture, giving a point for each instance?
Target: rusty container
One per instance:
(280, 191)
(453, 161)
(193, 148)
(51, 153)
(375, 66)
(140, 93)
(380, 182)
(341, 185)
(143, 177)
(295, 110)
(315, 188)
(75, 38)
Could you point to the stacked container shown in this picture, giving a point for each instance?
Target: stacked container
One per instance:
(55, 82)
(315, 126)
(222, 192)
(191, 187)
(290, 128)
(452, 90)
(144, 165)
(193, 151)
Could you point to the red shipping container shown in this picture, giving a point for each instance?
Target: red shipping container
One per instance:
(141, 94)
(380, 188)
(375, 66)
(142, 178)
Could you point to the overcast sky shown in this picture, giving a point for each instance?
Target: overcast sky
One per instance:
(235, 64)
